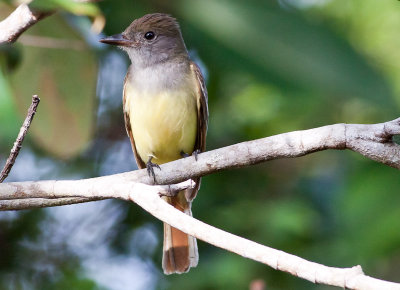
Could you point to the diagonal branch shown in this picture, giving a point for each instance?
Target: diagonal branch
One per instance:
(346, 278)
(20, 138)
(22, 18)
(18, 22)
(148, 197)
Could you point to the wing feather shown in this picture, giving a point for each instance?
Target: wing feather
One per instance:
(128, 128)
(202, 123)
(202, 109)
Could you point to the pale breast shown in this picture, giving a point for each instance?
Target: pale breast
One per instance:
(163, 122)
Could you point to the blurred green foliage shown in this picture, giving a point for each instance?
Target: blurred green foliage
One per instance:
(75, 7)
(65, 81)
(271, 67)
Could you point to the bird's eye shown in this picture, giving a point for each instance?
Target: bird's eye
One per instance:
(149, 35)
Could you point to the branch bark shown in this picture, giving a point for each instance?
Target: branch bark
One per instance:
(346, 278)
(148, 197)
(24, 17)
(373, 141)
(18, 22)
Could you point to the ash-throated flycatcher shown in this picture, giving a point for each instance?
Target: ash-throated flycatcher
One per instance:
(166, 114)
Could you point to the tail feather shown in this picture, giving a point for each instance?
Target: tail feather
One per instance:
(180, 250)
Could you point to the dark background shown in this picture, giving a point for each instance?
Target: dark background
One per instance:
(271, 67)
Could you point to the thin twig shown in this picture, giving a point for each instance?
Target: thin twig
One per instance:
(18, 143)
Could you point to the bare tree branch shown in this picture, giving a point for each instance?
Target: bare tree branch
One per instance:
(29, 203)
(24, 195)
(20, 138)
(18, 22)
(347, 278)
(373, 141)
(24, 17)
(147, 197)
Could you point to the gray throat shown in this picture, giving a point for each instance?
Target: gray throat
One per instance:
(165, 75)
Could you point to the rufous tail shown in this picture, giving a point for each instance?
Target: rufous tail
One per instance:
(180, 250)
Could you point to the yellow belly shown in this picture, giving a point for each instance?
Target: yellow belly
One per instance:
(163, 124)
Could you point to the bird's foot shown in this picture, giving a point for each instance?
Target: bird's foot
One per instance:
(150, 168)
(195, 154)
(184, 154)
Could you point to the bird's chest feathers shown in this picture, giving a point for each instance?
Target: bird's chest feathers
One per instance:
(163, 118)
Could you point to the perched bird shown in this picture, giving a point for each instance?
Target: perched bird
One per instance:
(166, 114)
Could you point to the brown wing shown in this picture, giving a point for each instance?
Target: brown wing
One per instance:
(128, 128)
(202, 123)
(202, 109)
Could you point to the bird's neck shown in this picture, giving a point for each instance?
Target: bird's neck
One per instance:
(169, 74)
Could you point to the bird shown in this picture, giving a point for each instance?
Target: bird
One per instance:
(165, 105)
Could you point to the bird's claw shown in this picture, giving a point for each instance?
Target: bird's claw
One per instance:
(150, 168)
(195, 154)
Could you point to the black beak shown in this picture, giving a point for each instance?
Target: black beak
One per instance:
(117, 39)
